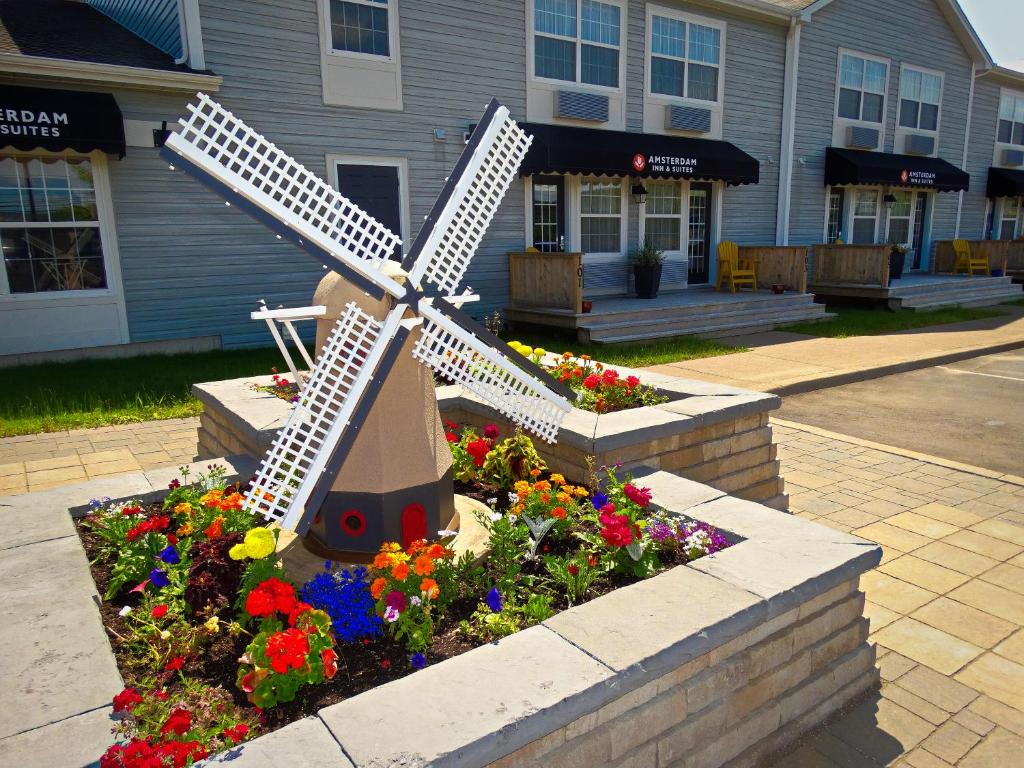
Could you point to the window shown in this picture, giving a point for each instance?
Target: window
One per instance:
(862, 88)
(865, 216)
(601, 215)
(1011, 118)
(685, 58)
(835, 215)
(662, 222)
(920, 96)
(899, 217)
(1009, 219)
(360, 26)
(562, 48)
(49, 225)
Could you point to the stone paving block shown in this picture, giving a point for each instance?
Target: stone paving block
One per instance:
(62, 476)
(927, 645)
(529, 673)
(922, 758)
(105, 468)
(938, 689)
(974, 722)
(77, 740)
(69, 459)
(894, 594)
(881, 508)
(1012, 648)
(852, 517)
(1001, 530)
(997, 677)
(880, 729)
(917, 705)
(978, 627)
(1008, 576)
(957, 517)
(892, 666)
(999, 713)
(991, 599)
(892, 536)
(926, 526)
(984, 545)
(993, 751)
(15, 468)
(948, 556)
(951, 741)
(12, 484)
(307, 743)
(924, 574)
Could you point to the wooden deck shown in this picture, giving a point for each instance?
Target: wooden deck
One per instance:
(924, 291)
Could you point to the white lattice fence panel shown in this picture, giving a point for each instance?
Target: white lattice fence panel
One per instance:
(460, 357)
(304, 445)
(473, 204)
(255, 168)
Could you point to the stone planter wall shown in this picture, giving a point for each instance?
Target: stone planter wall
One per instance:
(709, 433)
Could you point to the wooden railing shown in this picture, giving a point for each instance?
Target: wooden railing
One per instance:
(996, 251)
(1015, 257)
(551, 280)
(851, 265)
(786, 264)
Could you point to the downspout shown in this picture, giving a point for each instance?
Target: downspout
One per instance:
(967, 139)
(191, 34)
(182, 35)
(788, 130)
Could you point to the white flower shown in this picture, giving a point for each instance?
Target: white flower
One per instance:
(494, 515)
(415, 600)
(391, 614)
(697, 543)
(125, 611)
(513, 497)
(493, 500)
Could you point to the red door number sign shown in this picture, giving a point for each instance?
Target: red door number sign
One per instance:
(639, 162)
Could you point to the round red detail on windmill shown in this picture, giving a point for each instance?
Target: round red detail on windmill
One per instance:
(353, 522)
(904, 176)
(639, 162)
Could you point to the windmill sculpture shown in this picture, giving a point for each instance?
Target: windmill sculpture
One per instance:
(298, 482)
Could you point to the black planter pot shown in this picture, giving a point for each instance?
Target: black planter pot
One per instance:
(895, 265)
(647, 278)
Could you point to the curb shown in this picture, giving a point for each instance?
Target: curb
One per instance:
(851, 377)
(927, 458)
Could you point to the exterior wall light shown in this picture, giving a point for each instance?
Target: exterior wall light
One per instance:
(889, 200)
(639, 192)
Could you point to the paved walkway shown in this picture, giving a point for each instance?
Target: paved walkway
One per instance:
(785, 363)
(946, 605)
(37, 462)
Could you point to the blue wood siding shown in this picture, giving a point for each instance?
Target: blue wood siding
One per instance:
(155, 21)
(980, 148)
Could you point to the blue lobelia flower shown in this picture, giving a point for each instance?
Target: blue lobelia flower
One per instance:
(494, 601)
(598, 500)
(418, 661)
(169, 555)
(158, 578)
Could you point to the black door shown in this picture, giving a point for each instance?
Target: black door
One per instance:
(375, 189)
(920, 209)
(698, 242)
(549, 213)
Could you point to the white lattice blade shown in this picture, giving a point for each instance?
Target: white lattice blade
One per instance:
(460, 356)
(300, 452)
(478, 192)
(221, 145)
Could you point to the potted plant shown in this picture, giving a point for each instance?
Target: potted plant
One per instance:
(778, 287)
(896, 254)
(647, 262)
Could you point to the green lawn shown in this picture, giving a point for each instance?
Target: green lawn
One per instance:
(852, 321)
(95, 393)
(631, 355)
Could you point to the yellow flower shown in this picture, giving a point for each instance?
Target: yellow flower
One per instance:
(186, 530)
(258, 543)
(539, 351)
(184, 508)
(580, 491)
(564, 498)
(557, 479)
(212, 624)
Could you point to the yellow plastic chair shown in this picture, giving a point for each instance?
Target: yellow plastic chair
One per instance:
(966, 261)
(738, 272)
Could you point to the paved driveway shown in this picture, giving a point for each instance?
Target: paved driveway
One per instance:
(971, 411)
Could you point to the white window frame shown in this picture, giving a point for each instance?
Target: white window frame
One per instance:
(1004, 93)
(401, 163)
(885, 91)
(577, 213)
(683, 216)
(1018, 226)
(687, 18)
(851, 214)
(330, 50)
(899, 101)
(531, 59)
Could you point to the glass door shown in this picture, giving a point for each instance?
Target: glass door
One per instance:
(549, 213)
(698, 243)
(906, 223)
(918, 231)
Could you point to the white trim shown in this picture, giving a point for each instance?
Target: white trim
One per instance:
(899, 101)
(841, 123)
(393, 51)
(401, 163)
(623, 6)
(967, 139)
(361, 80)
(107, 74)
(623, 213)
(788, 138)
(687, 18)
(192, 33)
(999, 146)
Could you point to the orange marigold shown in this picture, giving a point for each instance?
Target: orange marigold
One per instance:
(558, 479)
(423, 566)
(381, 561)
(545, 498)
(416, 546)
(183, 508)
(542, 485)
(435, 551)
(430, 588)
(558, 512)
(534, 473)
(377, 587)
(563, 498)
(400, 571)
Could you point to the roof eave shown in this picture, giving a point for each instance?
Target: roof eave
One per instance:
(1003, 75)
(756, 9)
(107, 74)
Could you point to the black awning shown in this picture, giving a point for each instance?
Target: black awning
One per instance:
(43, 118)
(857, 166)
(1005, 182)
(563, 149)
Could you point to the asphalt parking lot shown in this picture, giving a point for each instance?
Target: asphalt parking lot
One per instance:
(971, 411)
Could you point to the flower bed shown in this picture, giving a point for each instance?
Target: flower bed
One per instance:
(216, 645)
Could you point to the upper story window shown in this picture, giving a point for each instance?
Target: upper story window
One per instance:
(685, 58)
(862, 83)
(1011, 118)
(577, 41)
(360, 26)
(920, 96)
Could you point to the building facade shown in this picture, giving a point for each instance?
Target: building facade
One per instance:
(678, 123)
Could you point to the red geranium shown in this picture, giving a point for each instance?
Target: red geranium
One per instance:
(616, 530)
(237, 732)
(478, 449)
(132, 510)
(593, 381)
(330, 662)
(632, 381)
(287, 650)
(159, 611)
(491, 431)
(175, 664)
(179, 721)
(451, 437)
(610, 376)
(299, 609)
(152, 525)
(126, 700)
(270, 596)
(641, 496)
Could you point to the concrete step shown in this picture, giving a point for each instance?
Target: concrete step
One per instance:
(710, 313)
(717, 326)
(636, 310)
(903, 290)
(965, 299)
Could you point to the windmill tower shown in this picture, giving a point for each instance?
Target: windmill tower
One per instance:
(395, 316)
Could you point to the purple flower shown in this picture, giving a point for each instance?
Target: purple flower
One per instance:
(659, 531)
(494, 601)
(418, 661)
(169, 555)
(158, 578)
(396, 600)
(598, 500)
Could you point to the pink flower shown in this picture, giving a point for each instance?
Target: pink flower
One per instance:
(641, 496)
